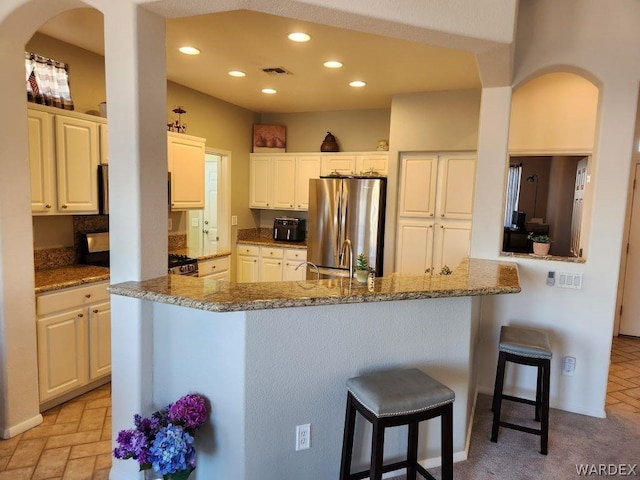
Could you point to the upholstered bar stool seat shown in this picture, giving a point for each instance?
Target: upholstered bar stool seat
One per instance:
(389, 399)
(526, 347)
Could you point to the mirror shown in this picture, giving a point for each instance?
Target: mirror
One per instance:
(545, 195)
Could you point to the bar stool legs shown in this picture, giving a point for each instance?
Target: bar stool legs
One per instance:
(526, 347)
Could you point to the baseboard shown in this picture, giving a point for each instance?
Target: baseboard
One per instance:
(553, 402)
(22, 427)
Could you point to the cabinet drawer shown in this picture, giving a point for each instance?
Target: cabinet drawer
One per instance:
(71, 298)
(268, 252)
(248, 250)
(216, 265)
(295, 254)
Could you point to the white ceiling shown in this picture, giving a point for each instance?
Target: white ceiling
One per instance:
(250, 41)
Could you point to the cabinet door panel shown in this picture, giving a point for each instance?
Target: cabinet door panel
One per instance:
(62, 353)
(186, 164)
(342, 164)
(247, 270)
(270, 269)
(418, 181)
(415, 247)
(283, 171)
(99, 340)
(456, 193)
(306, 169)
(41, 161)
(77, 165)
(452, 243)
(259, 182)
(372, 164)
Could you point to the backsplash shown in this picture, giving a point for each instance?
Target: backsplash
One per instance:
(248, 233)
(50, 257)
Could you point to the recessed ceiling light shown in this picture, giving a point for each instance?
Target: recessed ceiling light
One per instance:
(189, 50)
(269, 91)
(237, 73)
(333, 64)
(299, 37)
(357, 83)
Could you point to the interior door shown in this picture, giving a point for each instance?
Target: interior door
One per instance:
(630, 315)
(210, 217)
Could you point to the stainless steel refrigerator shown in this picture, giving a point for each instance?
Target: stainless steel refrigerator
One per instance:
(345, 212)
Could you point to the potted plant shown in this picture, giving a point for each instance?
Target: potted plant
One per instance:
(541, 243)
(362, 268)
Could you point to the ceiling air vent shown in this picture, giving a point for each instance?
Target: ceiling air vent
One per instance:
(276, 71)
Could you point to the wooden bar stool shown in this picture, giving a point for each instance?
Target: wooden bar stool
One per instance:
(526, 347)
(389, 399)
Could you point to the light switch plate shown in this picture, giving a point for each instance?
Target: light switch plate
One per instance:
(194, 222)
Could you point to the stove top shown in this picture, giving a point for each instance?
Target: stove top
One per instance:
(182, 264)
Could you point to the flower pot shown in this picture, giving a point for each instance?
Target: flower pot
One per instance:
(541, 248)
(362, 275)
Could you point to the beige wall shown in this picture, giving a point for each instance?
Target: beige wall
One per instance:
(355, 130)
(555, 113)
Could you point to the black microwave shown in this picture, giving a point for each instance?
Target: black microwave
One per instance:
(288, 229)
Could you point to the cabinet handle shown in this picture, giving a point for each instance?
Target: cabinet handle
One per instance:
(47, 206)
(441, 226)
(427, 270)
(88, 295)
(64, 206)
(96, 311)
(442, 215)
(254, 260)
(80, 315)
(213, 268)
(291, 205)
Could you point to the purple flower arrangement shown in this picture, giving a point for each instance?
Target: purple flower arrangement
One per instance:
(164, 441)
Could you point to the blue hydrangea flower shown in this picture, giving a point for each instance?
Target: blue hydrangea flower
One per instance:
(172, 450)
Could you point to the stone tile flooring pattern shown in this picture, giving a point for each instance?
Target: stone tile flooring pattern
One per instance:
(74, 441)
(623, 390)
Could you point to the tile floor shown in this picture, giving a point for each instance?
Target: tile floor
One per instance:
(623, 390)
(74, 441)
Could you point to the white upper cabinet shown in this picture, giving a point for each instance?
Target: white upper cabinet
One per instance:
(372, 164)
(77, 158)
(458, 174)
(186, 166)
(418, 180)
(41, 161)
(104, 143)
(283, 183)
(64, 152)
(306, 169)
(338, 165)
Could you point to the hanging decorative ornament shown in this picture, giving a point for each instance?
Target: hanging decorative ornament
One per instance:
(330, 144)
(177, 126)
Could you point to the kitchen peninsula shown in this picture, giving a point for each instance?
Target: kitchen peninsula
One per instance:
(270, 356)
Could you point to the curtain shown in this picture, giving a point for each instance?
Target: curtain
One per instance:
(513, 193)
(47, 81)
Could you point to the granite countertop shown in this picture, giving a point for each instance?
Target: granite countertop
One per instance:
(264, 237)
(472, 277)
(196, 253)
(57, 278)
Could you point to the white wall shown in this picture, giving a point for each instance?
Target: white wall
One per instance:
(600, 45)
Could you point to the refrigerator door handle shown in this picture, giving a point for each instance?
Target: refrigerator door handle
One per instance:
(339, 229)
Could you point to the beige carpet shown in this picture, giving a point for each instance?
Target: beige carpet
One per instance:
(573, 440)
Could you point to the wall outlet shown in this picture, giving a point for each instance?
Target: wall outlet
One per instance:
(568, 366)
(170, 224)
(551, 278)
(194, 222)
(234, 219)
(303, 436)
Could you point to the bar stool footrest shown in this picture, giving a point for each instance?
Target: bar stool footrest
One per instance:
(520, 400)
(391, 467)
(521, 428)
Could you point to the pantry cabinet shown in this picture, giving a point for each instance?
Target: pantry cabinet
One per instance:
(435, 211)
(64, 152)
(185, 155)
(73, 339)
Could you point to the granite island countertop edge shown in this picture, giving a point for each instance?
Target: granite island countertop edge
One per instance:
(222, 296)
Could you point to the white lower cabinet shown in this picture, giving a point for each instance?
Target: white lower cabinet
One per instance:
(269, 264)
(217, 268)
(247, 264)
(74, 339)
(425, 246)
